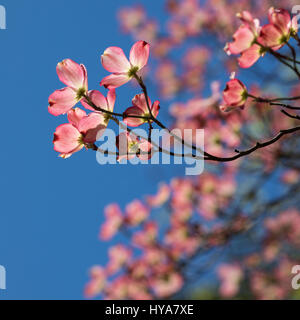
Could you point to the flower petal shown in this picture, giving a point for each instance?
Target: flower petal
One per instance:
(294, 24)
(145, 148)
(61, 101)
(139, 54)
(122, 143)
(66, 138)
(270, 36)
(111, 99)
(114, 80)
(114, 60)
(233, 94)
(155, 108)
(75, 115)
(133, 111)
(140, 101)
(281, 19)
(91, 126)
(72, 74)
(243, 39)
(250, 56)
(97, 98)
(85, 77)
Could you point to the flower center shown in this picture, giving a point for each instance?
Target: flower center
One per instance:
(133, 147)
(132, 71)
(244, 95)
(284, 39)
(80, 140)
(80, 93)
(107, 117)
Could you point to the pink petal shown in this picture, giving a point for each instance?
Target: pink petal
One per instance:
(294, 24)
(243, 39)
(233, 93)
(133, 111)
(75, 115)
(97, 98)
(140, 101)
(114, 60)
(250, 56)
(122, 141)
(245, 16)
(136, 212)
(113, 210)
(66, 138)
(91, 127)
(270, 36)
(155, 108)
(72, 74)
(111, 99)
(86, 105)
(85, 77)
(61, 101)
(145, 148)
(139, 54)
(96, 283)
(281, 19)
(114, 81)
(161, 197)
(248, 20)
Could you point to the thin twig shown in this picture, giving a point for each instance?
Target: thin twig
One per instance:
(293, 116)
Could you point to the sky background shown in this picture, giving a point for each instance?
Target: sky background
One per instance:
(50, 208)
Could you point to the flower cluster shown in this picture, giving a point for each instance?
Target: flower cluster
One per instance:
(253, 41)
(83, 129)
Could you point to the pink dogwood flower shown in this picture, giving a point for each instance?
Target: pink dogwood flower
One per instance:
(146, 237)
(97, 282)
(162, 196)
(243, 39)
(82, 130)
(234, 95)
(123, 70)
(136, 212)
(74, 76)
(246, 34)
(140, 109)
(250, 56)
(100, 101)
(166, 284)
(119, 255)
(272, 37)
(130, 146)
(230, 276)
(275, 34)
(114, 220)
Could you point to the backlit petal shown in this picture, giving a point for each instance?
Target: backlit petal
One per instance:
(61, 101)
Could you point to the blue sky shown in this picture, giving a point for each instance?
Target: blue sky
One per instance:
(51, 209)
